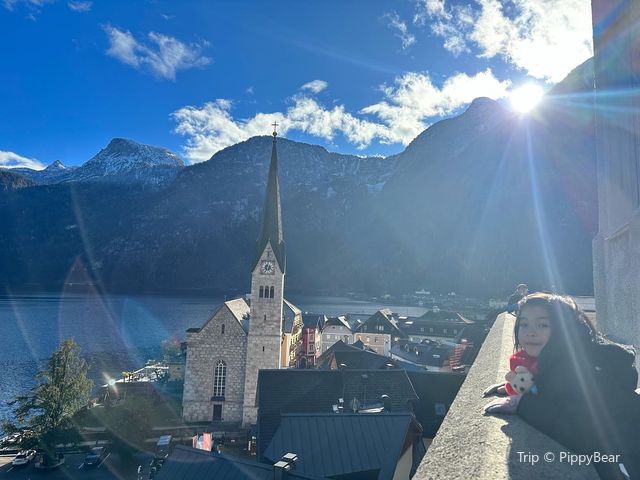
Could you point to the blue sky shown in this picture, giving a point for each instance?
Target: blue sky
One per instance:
(361, 77)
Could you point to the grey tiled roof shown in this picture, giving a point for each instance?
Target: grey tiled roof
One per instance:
(190, 463)
(340, 321)
(343, 444)
(316, 391)
(312, 320)
(240, 310)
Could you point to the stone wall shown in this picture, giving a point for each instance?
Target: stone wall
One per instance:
(265, 331)
(616, 248)
(204, 349)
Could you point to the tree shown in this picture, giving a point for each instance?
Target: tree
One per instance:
(60, 391)
(171, 350)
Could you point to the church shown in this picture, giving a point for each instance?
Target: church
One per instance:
(240, 338)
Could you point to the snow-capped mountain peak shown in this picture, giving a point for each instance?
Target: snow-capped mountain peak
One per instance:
(57, 165)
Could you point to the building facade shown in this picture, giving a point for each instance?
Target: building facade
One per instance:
(334, 329)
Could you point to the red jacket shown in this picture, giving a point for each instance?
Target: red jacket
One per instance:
(521, 358)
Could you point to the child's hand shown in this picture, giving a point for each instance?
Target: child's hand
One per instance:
(497, 389)
(503, 405)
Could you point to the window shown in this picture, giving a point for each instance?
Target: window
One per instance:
(430, 329)
(261, 291)
(222, 329)
(264, 318)
(455, 331)
(422, 329)
(380, 328)
(219, 379)
(271, 292)
(444, 330)
(263, 348)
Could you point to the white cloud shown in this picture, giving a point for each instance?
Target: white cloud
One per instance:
(32, 5)
(402, 33)
(315, 86)
(80, 6)
(402, 114)
(545, 38)
(162, 55)
(13, 160)
(414, 98)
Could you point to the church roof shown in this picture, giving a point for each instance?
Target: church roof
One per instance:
(271, 216)
(240, 310)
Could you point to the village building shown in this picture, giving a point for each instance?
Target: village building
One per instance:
(242, 337)
(311, 327)
(334, 329)
(434, 325)
(379, 331)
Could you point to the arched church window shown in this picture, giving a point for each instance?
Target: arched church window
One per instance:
(271, 292)
(222, 329)
(261, 291)
(219, 379)
(264, 318)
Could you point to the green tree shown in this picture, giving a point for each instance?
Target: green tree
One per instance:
(60, 391)
(171, 350)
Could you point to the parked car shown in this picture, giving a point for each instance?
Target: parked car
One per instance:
(10, 440)
(96, 456)
(23, 458)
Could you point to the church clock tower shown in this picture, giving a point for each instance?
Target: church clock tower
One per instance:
(267, 292)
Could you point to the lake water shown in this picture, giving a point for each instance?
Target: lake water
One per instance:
(116, 332)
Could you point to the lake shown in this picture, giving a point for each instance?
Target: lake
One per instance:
(116, 332)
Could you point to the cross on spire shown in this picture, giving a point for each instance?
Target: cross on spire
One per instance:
(275, 126)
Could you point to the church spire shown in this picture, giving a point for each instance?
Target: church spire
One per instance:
(271, 215)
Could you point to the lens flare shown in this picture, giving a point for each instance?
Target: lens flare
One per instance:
(526, 98)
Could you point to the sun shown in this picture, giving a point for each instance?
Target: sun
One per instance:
(526, 97)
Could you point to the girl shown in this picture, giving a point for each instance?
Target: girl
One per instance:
(585, 385)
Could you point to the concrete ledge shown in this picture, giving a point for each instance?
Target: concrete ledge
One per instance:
(470, 444)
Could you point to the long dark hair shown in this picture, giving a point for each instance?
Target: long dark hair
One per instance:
(570, 326)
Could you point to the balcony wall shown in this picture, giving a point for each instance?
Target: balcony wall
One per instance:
(470, 444)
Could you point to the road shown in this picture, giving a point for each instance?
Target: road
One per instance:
(73, 468)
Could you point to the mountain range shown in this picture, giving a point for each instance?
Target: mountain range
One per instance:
(476, 203)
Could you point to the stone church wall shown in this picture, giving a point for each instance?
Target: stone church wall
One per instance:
(204, 349)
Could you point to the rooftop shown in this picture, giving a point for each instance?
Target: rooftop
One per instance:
(191, 463)
(344, 444)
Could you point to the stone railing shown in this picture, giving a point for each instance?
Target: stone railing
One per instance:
(470, 444)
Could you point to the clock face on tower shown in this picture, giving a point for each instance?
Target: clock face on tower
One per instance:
(268, 268)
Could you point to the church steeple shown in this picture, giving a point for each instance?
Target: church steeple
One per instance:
(271, 215)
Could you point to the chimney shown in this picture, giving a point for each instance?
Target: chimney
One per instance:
(286, 464)
(386, 402)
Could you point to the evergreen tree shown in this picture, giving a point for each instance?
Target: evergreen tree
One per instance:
(60, 391)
